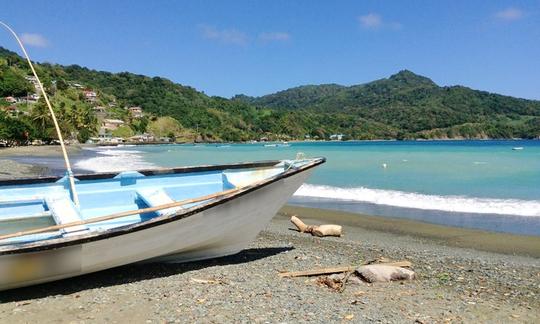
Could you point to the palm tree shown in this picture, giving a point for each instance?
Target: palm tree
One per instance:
(41, 119)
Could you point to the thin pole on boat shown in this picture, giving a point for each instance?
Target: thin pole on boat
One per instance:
(58, 132)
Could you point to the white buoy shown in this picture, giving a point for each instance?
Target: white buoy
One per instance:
(384, 165)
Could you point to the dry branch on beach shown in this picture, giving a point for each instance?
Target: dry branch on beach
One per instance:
(330, 270)
(317, 230)
(338, 277)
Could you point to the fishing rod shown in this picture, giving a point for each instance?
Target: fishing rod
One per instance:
(69, 173)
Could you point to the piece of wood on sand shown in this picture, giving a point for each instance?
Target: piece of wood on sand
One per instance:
(324, 271)
(384, 273)
(317, 230)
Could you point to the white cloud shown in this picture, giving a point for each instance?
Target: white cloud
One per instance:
(36, 40)
(371, 20)
(274, 37)
(376, 21)
(226, 36)
(509, 14)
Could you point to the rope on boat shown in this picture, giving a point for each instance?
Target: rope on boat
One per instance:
(58, 132)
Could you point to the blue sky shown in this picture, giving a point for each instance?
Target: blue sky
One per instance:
(259, 47)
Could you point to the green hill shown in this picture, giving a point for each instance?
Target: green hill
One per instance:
(404, 105)
(414, 106)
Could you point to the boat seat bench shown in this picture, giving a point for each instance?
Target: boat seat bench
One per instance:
(156, 197)
(64, 211)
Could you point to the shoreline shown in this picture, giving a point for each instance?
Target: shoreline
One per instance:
(39, 161)
(39, 150)
(36, 161)
(460, 237)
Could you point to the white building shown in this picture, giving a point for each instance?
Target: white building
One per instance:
(336, 137)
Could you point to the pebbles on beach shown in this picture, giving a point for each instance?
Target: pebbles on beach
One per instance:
(453, 284)
(11, 169)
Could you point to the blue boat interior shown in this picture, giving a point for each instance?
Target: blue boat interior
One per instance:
(30, 206)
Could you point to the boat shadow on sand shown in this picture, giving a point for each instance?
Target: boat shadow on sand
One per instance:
(132, 273)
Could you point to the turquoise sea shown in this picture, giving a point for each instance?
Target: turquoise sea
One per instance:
(492, 185)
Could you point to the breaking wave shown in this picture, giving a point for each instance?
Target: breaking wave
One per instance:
(403, 199)
(114, 159)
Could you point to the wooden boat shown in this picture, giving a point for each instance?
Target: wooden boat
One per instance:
(54, 228)
(172, 215)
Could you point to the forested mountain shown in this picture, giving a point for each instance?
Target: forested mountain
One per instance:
(404, 105)
(299, 97)
(414, 106)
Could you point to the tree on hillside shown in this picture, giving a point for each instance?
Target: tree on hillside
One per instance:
(164, 126)
(14, 131)
(84, 122)
(123, 131)
(41, 119)
(13, 83)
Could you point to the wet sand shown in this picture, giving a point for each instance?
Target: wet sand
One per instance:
(43, 150)
(447, 235)
(11, 169)
(35, 161)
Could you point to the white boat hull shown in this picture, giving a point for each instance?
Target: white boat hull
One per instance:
(221, 230)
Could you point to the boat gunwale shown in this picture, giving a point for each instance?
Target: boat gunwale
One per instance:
(56, 243)
(146, 172)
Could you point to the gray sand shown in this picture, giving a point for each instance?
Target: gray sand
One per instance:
(17, 162)
(45, 150)
(454, 284)
(11, 169)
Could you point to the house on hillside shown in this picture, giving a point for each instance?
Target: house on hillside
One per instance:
(32, 98)
(111, 124)
(142, 138)
(103, 135)
(90, 96)
(10, 100)
(336, 137)
(136, 112)
(32, 79)
(100, 111)
(76, 85)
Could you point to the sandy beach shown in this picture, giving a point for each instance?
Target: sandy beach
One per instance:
(454, 284)
(44, 150)
(11, 167)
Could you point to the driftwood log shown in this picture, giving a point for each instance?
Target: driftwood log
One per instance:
(340, 269)
(317, 230)
(379, 272)
(384, 273)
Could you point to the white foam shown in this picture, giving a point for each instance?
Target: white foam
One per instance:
(113, 159)
(421, 201)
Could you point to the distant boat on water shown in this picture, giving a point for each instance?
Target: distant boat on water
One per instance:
(283, 144)
(517, 148)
